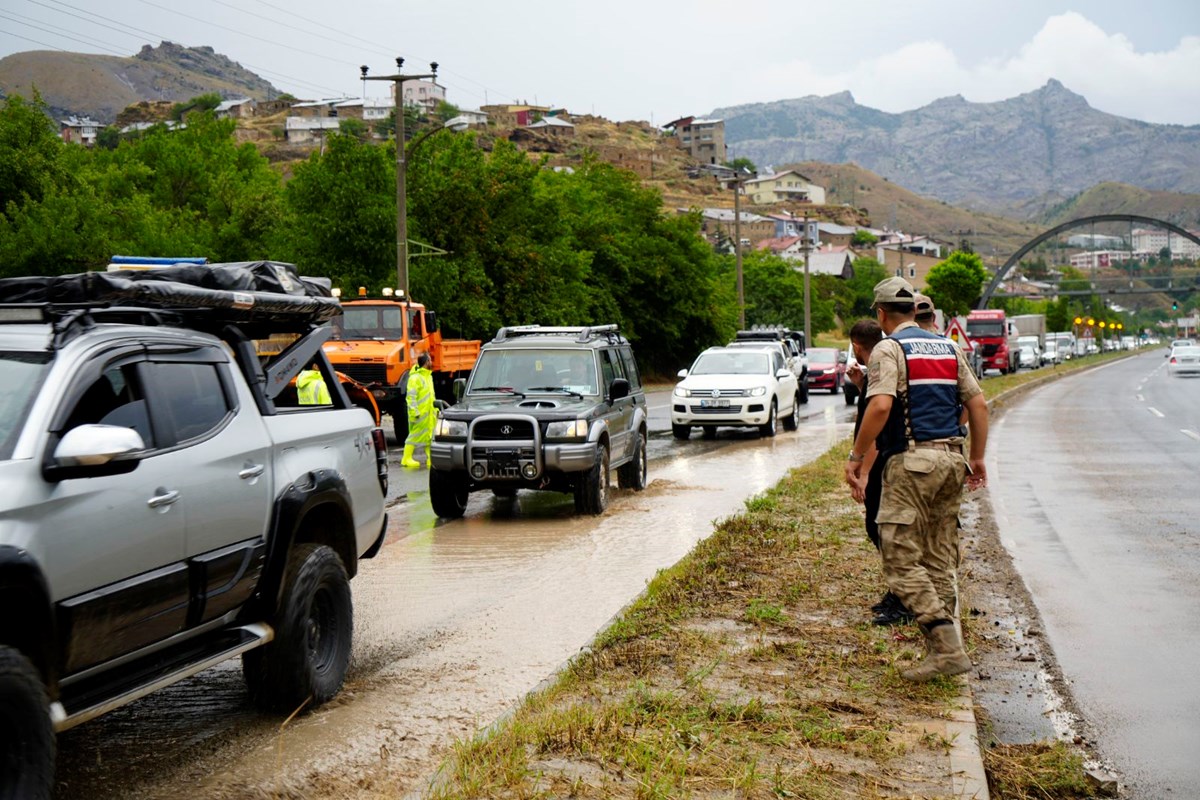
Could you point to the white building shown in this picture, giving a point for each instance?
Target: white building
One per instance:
(1099, 259)
(299, 130)
(1149, 242)
(425, 95)
(1097, 241)
(371, 110)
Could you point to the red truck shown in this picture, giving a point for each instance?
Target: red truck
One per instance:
(994, 335)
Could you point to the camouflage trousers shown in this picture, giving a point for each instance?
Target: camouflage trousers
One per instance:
(918, 529)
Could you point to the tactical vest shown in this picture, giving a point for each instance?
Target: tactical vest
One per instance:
(929, 409)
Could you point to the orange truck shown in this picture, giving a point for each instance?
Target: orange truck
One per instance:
(376, 342)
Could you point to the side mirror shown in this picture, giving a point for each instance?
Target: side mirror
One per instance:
(682, 373)
(784, 373)
(842, 358)
(431, 322)
(618, 389)
(460, 388)
(95, 450)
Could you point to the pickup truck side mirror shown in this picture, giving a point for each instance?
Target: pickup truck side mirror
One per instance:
(460, 388)
(90, 451)
(618, 389)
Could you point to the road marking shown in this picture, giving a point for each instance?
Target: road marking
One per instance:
(1155, 412)
(1190, 434)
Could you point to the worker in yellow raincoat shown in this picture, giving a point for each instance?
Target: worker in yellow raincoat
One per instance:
(311, 389)
(420, 412)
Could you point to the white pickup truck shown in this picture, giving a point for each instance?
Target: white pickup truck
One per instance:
(168, 502)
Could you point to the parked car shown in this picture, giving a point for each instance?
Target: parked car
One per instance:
(170, 503)
(545, 408)
(826, 369)
(736, 387)
(1184, 361)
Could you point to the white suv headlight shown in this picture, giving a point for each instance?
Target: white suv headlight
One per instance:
(451, 429)
(682, 392)
(758, 391)
(571, 429)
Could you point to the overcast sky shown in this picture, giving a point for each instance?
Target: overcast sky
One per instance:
(659, 59)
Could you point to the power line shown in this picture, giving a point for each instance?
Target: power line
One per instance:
(59, 32)
(123, 31)
(35, 41)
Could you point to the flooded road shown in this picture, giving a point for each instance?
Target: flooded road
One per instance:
(455, 622)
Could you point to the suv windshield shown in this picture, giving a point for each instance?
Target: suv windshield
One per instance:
(383, 322)
(535, 370)
(822, 355)
(21, 376)
(728, 363)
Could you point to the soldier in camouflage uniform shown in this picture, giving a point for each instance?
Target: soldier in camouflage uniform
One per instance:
(918, 385)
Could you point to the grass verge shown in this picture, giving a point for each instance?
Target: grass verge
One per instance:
(749, 669)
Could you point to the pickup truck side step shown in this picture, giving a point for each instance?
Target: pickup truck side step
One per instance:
(104, 692)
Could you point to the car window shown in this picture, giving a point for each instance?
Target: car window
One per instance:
(779, 363)
(21, 376)
(193, 399)
(115, 398)
(608, 370)
(631, 370)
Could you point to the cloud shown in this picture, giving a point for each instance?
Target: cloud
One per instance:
(1105, 68)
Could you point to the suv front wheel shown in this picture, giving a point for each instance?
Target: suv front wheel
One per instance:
(314, 627)
(591, 492)
(792, 421)
(769, 427)
(448, 493)
(27, 759)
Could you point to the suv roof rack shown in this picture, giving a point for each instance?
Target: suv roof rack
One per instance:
(582, 334)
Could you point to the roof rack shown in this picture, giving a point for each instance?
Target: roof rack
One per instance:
(582, 334)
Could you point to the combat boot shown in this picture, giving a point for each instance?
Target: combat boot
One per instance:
(408, 462)
(946, 654)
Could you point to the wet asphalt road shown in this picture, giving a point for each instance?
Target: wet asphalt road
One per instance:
(454, 623)
(1095, 482)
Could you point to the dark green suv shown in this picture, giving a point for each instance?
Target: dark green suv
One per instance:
(545, 408)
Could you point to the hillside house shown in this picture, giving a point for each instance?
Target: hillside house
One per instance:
(717, 225)
(790, 225)
(788, 186)
(516, 115)
(317, 108)
(912, 266)
(301, 130)
(425, 95)
(554, 126)
(839, 263)
(468, 118)
(238, 108)
(704, 139)
(80, 130)
(366, 110)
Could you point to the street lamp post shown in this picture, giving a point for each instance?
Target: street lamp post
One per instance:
(807, 246)
(401, 165)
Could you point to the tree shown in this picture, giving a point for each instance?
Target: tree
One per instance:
(351, 126)
(201, 102)
(956, 283)
(862, 238)
(867, 273)
(1164, 255)
(742, 163)
(445, 111)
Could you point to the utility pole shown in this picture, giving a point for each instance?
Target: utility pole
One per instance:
(807, 246)
(401, 165)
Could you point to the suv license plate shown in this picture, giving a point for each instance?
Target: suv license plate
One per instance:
(721, 403)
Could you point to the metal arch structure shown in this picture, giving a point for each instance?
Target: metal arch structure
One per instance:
(1016, 257)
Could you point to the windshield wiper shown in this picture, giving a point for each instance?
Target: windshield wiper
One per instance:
(554, 389)
(505, 389)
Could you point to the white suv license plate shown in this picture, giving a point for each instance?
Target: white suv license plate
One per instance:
(720, 403)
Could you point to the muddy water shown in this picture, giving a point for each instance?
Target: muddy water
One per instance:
(455, 622)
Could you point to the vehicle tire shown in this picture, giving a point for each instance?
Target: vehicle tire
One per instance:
(314, 628)
(591, 492)
(709, 431)
(770, 427)
(792, 421)
(633, 474)
(399, 414)
(27, 761)
(681, 432)
(804, 390)
(448, 492)
(851, 392)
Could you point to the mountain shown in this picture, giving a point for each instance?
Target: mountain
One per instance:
(995, 156)
(101, 86)
(1121, 198)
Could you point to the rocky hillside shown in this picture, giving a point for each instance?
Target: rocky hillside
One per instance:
(994, 156)
(1120, 198)
(101, 86)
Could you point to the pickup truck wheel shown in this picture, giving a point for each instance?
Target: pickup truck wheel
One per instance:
(448, 493)
(681, 432)
(792, 421)
(400, 425)
(26, 733)
(633, 474)
(804, 390)
(314, 628)
(769, 427)
(591, 492)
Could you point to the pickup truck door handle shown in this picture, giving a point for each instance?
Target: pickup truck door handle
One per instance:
(164, 499)
(251, 471)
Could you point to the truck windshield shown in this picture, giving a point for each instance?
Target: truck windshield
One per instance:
(992, 329)
(21, 376)
(528, 370)
(383, 322)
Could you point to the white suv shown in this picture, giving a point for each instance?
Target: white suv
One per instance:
(736, 387)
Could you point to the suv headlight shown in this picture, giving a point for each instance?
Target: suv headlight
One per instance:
(451, 429)
(758, 391)
(570, 429)
(682, 392)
